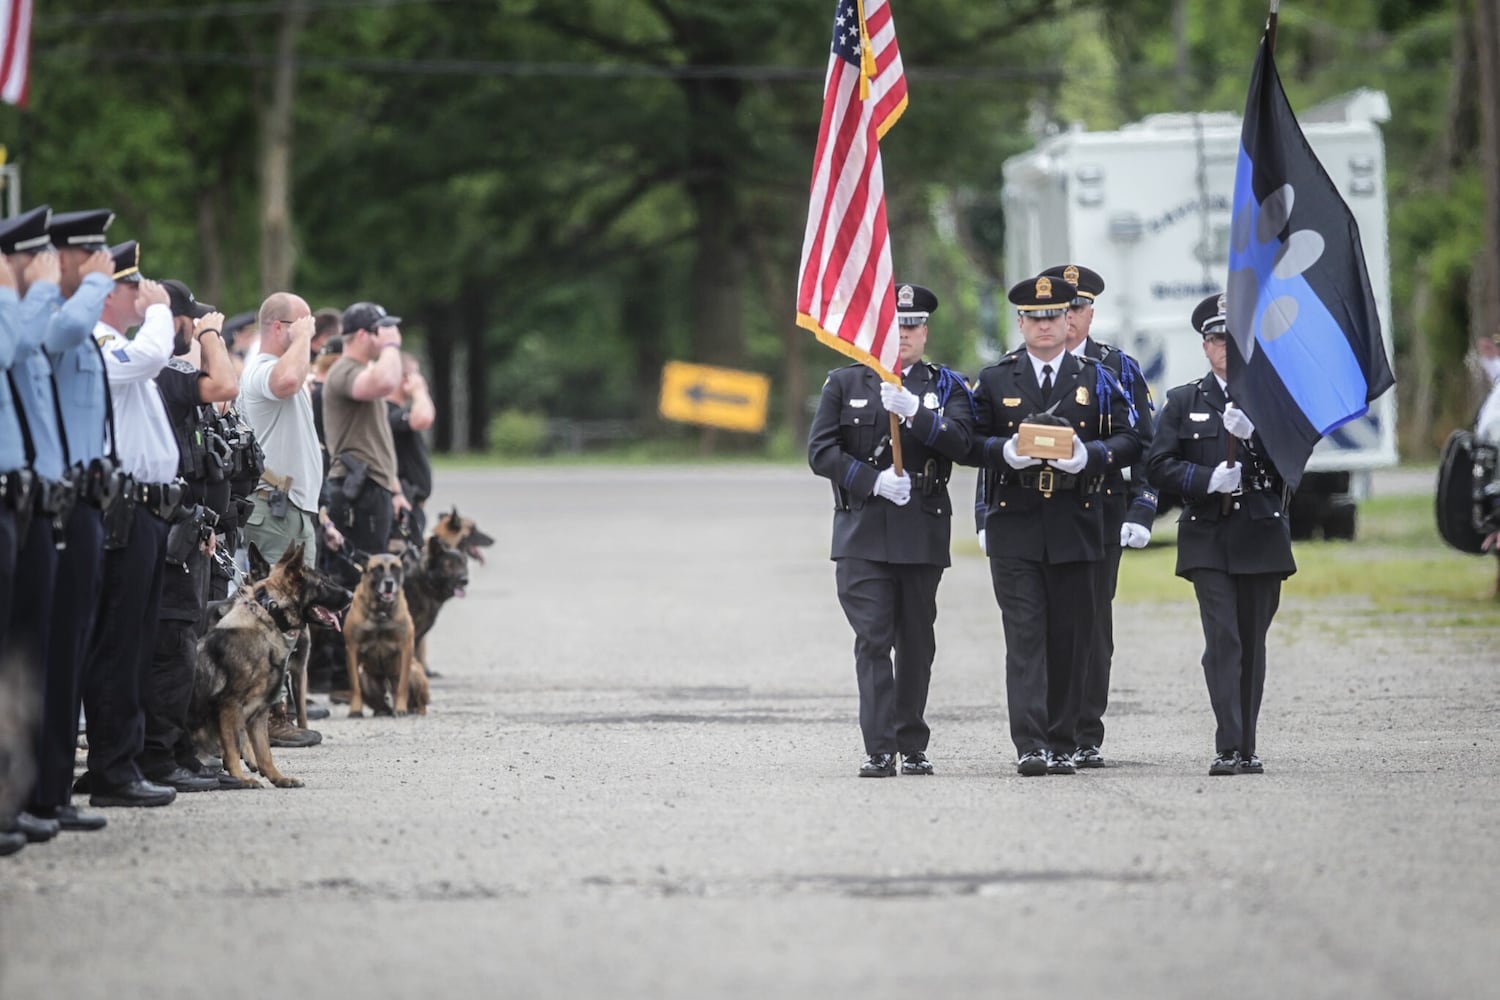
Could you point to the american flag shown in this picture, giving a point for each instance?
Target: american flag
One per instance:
(15, 50)
(846, 292)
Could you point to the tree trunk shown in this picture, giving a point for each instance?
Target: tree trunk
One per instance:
(1486, 315)
(277, 255)
(211, 202)
(440, 350)
(474, 316)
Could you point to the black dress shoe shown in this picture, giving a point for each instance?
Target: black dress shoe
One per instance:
(11, 841)
(1088, 757)
(880, 765)
(134, 793)
(36, 829)
(1033, 763)
(1060, 763)
(1227, 762)
(315, 712)
(73, 818)
(1251, 765)
(916, 762)
(183, 780)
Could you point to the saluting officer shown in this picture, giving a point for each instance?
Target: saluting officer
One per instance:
(14, 483)
(1233, 539)
(119, 654)
(1129, 508)
(1044, 522)
(44, 519)
(198, 374)
(891, 533)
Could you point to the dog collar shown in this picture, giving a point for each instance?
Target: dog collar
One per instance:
(277, 613)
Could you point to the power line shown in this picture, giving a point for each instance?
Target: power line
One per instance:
(201, 12)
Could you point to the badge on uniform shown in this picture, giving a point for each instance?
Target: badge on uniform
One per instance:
(857, 403)
(119, 352)
(1082, 395)
(1011, 401)
(930, 401)
(1199, 417)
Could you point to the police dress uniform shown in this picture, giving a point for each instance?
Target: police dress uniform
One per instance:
(14, 476)
(1045, 528)
(1132, 501)
(119, 655)
(1235, 548)
(28, 632)
(83, 407)
(890, 559)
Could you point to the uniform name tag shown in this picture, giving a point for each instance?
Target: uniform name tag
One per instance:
(1200, 417)
(1011, 401)
(856, 403)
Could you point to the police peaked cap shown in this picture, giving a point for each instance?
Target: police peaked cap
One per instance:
(180, 299)
(1210, 316)
(914, 304)
(81, 230)
(127, 258)
(27, 232)
(1088, 282)
(1043, 296)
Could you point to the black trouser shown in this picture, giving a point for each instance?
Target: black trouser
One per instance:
(119, 655)
(891, 606)
(1236, 612)
(8, 553)
(168, 690)
(79, 567)
(364, 522)
(30, 629)
(1045, 610)
(1095, 693)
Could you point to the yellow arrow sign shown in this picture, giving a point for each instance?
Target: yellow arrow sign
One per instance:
(718, 397)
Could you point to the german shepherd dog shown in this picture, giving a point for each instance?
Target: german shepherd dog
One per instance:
(378, 641)
(434, 574)
(244, 658)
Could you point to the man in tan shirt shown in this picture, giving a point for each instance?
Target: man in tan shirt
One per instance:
(364, 492)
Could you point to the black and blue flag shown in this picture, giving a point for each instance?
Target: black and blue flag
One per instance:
(1302, 315)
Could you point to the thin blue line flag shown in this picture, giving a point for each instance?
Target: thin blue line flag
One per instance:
(1308, 355)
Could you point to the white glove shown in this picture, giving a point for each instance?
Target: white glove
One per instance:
(897, 489)
(1134, 536)
(898, 399)
(1226, 478)
(1075, 462)
(981, 542)
(1015, 459)
(1236, 423)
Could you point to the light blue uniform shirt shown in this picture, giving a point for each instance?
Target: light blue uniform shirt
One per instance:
(33, 379)
(12, 445)
(79, 369)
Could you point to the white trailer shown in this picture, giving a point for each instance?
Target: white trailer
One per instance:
(1148, 207)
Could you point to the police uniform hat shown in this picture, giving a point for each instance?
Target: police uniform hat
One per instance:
(914, 304)
(81, 230)
(333, 345)
(27, 232)
(1043, 296)
(1211, 316)
(1087, 281)
(367, 316)
(127, 258)
(180, 299)
(234, 324)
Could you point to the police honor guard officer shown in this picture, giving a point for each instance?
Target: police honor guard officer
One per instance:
(891, 533)
(1044, 521)
(1129, 508)
(1233, 539)
(124, 639)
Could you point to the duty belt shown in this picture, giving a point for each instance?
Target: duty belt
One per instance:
(1048, 481)
(16, 487)
(1259, 484)
(161, 499)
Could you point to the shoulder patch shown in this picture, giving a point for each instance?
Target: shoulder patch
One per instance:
(181, 365)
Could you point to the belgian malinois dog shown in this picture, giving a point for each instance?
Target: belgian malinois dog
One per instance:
(378, 642)
(244, 658)
(461, 533)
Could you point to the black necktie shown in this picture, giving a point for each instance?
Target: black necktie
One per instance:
(1046, 382)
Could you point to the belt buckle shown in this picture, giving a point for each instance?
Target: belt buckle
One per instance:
(1046, 481)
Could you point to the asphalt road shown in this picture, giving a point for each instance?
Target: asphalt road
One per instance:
(637, 779)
